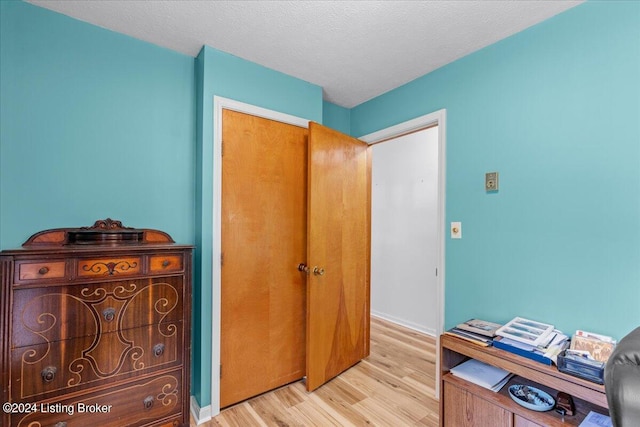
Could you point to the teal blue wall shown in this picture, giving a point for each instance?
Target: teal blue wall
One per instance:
(556, 110)
(94, 124)
(228, 76)
(336, 117)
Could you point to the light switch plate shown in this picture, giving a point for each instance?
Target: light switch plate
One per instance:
(491, 181)
(456, 230)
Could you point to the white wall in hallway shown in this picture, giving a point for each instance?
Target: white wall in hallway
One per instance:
(404, 240)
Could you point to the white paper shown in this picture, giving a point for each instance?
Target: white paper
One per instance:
(480, 373)
(496, 388)
(594, 419)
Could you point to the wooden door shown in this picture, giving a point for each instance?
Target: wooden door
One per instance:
(263, 295)
(339, 230)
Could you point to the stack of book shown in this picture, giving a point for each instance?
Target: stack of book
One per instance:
(477, 331)
(482, 374)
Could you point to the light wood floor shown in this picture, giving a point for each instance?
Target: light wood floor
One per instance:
(394, 386)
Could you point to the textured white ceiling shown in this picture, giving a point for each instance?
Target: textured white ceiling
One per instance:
(354, 50)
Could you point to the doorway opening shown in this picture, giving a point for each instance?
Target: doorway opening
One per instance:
(404, 206)
(436, 119)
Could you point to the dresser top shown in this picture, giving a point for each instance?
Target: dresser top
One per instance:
(104, 235)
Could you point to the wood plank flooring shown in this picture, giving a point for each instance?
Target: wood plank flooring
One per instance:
(394, 386)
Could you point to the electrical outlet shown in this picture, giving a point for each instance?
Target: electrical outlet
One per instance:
(456, 230)
(491, 181)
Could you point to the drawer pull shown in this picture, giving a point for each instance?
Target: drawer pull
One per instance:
(109, 314)
(158, 350)
(148, 402)
(61, 424)
(165, 263)
(43, 270)
(48, 374)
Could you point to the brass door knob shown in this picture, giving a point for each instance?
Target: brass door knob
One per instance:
(303, 267)
(318, 271)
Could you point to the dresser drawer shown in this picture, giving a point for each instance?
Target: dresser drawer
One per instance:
(157, 399)
(44, 370)
(106, 267)
(159, 264)
(40, 270)
(56, 313)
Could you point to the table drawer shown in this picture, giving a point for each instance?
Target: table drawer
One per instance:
(152, 399)
(40, 270)
(159, 264)
(45, 370)
(106, 267)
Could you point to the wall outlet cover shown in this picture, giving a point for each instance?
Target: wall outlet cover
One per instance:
(456, 230)
(491, 181)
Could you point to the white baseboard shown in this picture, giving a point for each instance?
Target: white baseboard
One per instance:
(200, 415)
(407, 324)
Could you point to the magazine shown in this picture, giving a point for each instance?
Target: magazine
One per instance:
(481, 327)
(470, 336)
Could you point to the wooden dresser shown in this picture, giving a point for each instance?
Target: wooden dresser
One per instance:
(95, 326)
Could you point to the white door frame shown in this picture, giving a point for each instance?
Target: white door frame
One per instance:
(219, 104)
(436, 118)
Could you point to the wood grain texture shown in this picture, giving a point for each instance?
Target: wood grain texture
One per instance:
(55, 313)
(41, 270)
(535, 371)
(165, 263)
(6, 275)
(339, 237)
(97, 338)
(122, 406)
(587, 397)
(105, 267)
(263, 302)
(115, 356)
(465, 409)
(103, 231)
(518, 421)
(394, 386)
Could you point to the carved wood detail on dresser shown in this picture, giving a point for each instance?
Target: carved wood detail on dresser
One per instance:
(95, 325)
